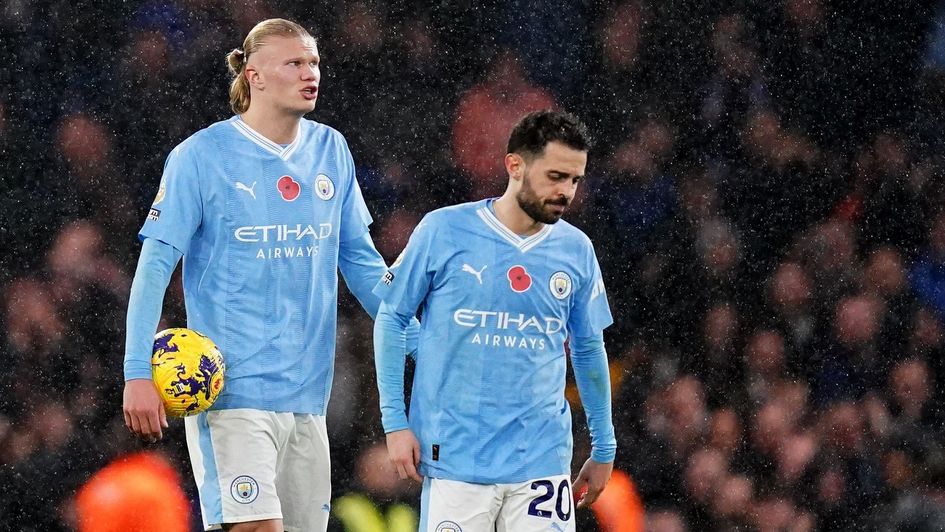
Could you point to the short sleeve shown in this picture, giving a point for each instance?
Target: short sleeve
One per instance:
(590, 310)
(409, 278)
(177, 210)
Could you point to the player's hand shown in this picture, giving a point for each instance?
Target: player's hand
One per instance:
(144, 410)
(404, 451)
(593, 477)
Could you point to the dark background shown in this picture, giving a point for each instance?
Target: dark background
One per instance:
(765, 198)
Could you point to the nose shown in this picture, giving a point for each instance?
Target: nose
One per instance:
(311, 73)
(567, 189)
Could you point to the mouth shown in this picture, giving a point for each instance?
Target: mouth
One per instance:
(557, 208)
(310, 92)
(558, 204)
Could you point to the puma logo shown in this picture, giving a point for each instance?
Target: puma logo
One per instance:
(469, 269)
(241, 186)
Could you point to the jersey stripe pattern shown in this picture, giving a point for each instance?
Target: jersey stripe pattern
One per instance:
(260, 227)
(496, 308)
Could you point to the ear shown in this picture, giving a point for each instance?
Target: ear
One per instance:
(515, 166)
(253, 77)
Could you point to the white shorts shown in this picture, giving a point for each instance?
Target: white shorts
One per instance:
(539, 505)
(254, 465)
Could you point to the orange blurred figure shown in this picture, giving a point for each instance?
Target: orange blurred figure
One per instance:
(139, 492)
(620, 508)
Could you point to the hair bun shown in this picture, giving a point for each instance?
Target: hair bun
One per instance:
(236, 60)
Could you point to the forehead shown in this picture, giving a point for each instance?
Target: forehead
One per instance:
(288, 46)
(560, 157)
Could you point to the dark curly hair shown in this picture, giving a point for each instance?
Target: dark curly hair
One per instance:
(535, 130)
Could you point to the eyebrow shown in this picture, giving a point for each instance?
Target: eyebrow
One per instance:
(561, 173)
(302, 58)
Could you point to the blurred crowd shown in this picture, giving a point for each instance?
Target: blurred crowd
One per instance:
(766, 198)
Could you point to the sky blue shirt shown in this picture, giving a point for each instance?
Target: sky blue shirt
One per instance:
(496, 309)
(260, 226)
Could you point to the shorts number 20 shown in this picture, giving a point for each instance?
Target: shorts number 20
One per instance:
(562, 503)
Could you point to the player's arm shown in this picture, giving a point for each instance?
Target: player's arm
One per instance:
(143, 409)
(403, 288)
(590, 315)
(362, 266)
(589, 361)
(390, 342)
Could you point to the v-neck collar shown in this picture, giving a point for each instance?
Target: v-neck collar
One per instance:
(522, 243)
(276, 149)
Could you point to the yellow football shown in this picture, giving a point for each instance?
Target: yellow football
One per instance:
(187, 369)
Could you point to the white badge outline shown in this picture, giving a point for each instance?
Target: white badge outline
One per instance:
(331, 187)
(569, 287)
(253, 491)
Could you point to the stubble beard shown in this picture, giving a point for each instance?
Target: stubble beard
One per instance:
(534, 206)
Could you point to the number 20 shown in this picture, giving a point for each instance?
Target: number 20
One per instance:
(561, 504)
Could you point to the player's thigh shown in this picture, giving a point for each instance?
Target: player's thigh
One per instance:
(538, 505)
(453, 506)
(234, 454)
(303, 476)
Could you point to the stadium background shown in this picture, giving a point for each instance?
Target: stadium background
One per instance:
(765, 197)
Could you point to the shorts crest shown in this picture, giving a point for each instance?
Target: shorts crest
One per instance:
(244, 489)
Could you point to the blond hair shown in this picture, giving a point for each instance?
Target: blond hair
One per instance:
(236, 60)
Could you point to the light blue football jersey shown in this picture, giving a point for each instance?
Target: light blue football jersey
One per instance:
(260, 227)
(496, 309)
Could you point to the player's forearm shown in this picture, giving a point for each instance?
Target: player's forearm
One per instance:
(362, 266)
(390, 340)
(589, 360)
(155, 266)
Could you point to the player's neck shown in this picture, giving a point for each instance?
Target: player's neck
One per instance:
(277, 127)
(512, 216)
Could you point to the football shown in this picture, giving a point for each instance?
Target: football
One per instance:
(188, 369)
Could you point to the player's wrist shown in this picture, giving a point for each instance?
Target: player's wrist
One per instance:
(603, 456)
(137, 371)
(395, 425)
